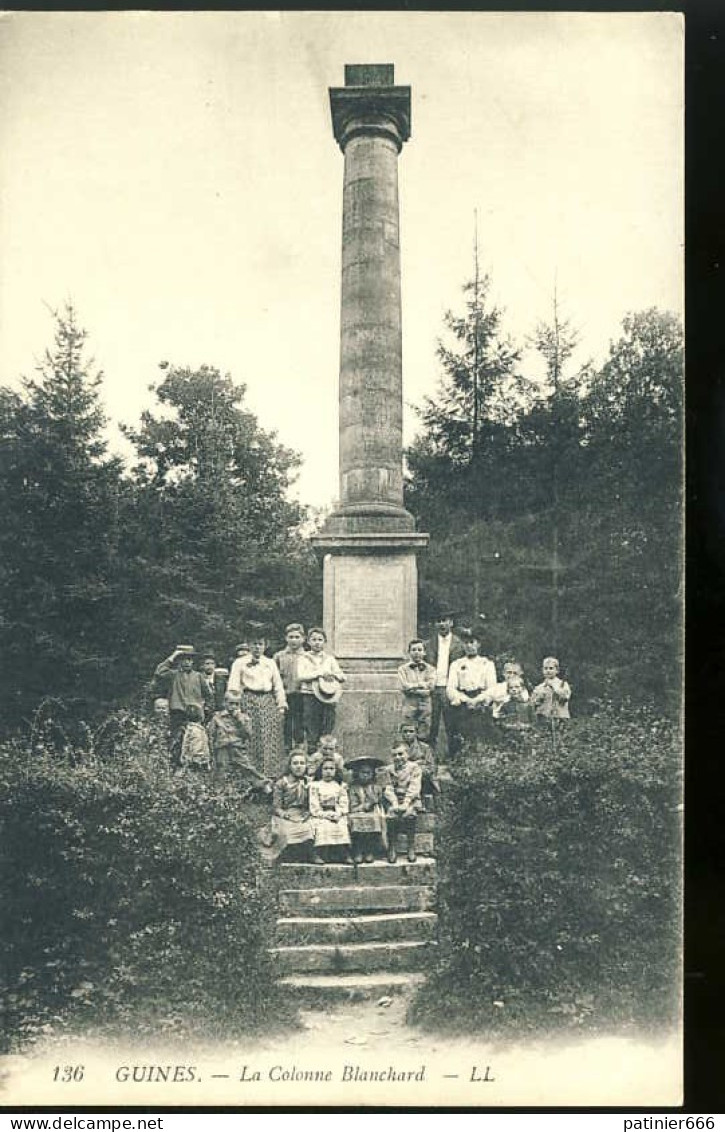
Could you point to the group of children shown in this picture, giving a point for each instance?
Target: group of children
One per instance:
(270, 704)
(326, 810)
(248, 719)
(474, 696)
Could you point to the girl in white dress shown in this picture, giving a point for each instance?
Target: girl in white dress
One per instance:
(329, 807)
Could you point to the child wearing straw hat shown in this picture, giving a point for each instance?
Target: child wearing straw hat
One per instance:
(366, 819)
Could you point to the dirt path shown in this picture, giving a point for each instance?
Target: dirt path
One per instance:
(351, 1054)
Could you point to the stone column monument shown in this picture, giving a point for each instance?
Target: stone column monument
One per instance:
(369, 543)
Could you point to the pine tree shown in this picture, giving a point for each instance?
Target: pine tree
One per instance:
(58, 532)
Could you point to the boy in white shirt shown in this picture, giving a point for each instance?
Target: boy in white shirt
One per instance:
(417, 681)
(550, 698)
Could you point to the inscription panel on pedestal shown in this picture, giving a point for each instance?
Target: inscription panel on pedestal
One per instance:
(369, 606)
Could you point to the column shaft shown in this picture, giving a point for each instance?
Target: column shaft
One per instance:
(371, 391)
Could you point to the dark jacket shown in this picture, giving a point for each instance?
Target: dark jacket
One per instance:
(183, 688)
(431, 650)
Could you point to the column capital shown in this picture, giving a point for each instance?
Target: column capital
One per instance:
(371, 111)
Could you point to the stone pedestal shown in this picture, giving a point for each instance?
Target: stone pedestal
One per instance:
(369, 543)
(370, 585)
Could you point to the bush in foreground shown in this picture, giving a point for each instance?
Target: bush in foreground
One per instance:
(560, 893)
(133, 898)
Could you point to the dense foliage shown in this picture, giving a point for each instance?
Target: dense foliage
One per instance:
(132, 898)
(559, 894)
(212, 538)
(554, 507)
(59, 532)
(103, 571)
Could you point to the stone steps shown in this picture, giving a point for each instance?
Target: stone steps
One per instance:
(338, 959)
(421, 872)
(356, 898)
(356, 929)
(309, 988)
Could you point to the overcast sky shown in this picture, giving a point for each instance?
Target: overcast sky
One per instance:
(176, 176)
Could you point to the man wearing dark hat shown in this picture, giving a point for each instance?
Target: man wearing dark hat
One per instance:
(441, 650)
(183, 687)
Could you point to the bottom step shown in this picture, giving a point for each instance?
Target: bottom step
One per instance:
(312, 988)
(345, 958)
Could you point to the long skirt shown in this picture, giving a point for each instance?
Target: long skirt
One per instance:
(472, 724)
(280, 832)
(371, 821)
(331, 832)
(293, 831)
(266, 747)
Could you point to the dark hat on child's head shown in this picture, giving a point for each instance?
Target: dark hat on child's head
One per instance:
(207, 654)
(364, 760)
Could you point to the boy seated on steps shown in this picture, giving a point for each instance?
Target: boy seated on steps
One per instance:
(403, 800)
(421, 753)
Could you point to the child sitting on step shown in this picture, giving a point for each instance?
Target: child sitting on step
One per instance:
(402, 797)
(366, 819)
(329, 807)
(421, 753)
(292, 828)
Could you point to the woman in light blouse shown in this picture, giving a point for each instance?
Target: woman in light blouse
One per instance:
(471, 688)
(257, 680)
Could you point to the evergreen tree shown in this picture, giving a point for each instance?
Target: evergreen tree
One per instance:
(460, 465)
(58, 532)
(628, 530)
(561, 528)
(549, 453)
